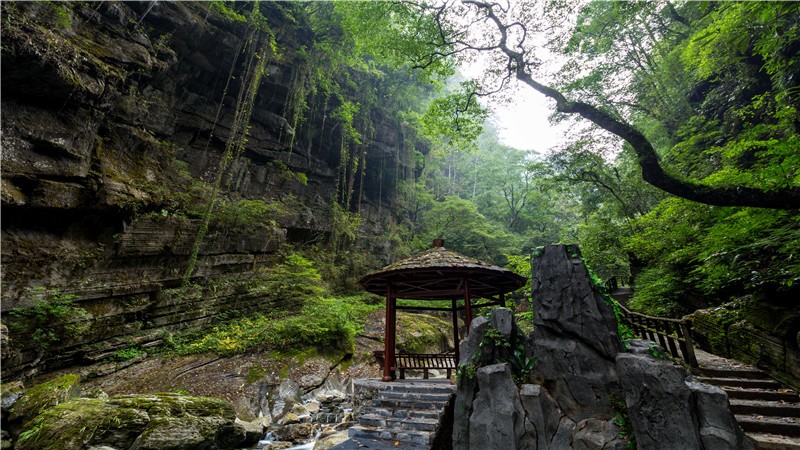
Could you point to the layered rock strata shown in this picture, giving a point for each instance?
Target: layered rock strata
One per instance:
(115, 119)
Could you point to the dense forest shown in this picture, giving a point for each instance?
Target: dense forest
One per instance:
(681, 168)
(680, 172)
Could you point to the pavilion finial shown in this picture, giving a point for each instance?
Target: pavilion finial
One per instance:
(438, 243)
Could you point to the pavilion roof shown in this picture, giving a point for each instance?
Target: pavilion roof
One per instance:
(438, 274)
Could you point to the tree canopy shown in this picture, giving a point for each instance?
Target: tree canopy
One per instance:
(649, 73)
(683, 168)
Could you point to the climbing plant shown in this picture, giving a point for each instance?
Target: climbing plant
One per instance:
(258, 49)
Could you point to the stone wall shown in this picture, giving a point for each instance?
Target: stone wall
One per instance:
(755, 331)
(114, 122)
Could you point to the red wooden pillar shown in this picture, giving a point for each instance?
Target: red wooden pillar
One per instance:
(389, 336)
(467, 305)
(455, 328)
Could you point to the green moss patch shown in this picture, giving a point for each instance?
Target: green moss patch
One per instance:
(42, 396)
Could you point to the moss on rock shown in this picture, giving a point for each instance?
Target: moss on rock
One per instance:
(42, 396)
(421, 333)
(155, 421)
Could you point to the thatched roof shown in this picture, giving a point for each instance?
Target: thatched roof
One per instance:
(440, 273)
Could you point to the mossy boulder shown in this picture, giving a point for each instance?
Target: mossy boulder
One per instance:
(42, 396)
(81, 422)
(711, 325)
(153, 421)
(421, 333)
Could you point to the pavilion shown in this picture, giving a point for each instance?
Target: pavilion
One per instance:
(436, 274)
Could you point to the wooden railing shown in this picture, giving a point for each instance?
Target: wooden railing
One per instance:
(420, 361)
(672, 334)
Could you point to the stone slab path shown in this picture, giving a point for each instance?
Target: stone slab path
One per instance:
(767, 411)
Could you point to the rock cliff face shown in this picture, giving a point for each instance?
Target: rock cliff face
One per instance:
(115, 118)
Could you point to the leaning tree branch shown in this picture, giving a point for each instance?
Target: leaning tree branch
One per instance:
(647, 157)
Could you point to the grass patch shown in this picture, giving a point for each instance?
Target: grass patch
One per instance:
(322, 323)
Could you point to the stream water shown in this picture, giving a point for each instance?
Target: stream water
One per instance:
(268, 439)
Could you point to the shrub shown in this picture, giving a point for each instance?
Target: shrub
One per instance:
(323, 322)
(53, 317)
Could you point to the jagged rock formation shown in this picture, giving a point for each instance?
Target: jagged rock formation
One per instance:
(581, 371)
(115, 117)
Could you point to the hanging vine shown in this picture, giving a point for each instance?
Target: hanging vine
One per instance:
(253, 73)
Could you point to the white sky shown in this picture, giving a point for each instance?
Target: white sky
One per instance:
(524, 124)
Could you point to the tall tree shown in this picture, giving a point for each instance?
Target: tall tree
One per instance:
(513, 35)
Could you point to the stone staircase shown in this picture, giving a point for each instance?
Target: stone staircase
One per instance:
(407, 412)
(767, 412)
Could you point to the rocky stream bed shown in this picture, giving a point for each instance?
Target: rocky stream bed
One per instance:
(272, 400)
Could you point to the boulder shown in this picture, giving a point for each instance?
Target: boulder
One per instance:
(597, 434)
(472, 356)
(658, 402)
(9, 394)
(578, 377)
(153, 421)
(668, 409)
(42, 396)
(277, 446)
(290, 419)
(297, 433)
(331, 440)
(718, 426)
(498, 420)
(567, 303)
(470, 348)
(253, 432)
(312, 407)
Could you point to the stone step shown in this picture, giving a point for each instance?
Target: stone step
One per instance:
(394, 434)
(428, 425)
(785, 426)
(407, 395)
(765, 441)
(396, 403)
(370, 420)
(741, 382)
(765, 408)
(402, 413)
(372, 411)
(753, 374)
(408, 423)
(421, 388)
(422, 414)
(757, 394)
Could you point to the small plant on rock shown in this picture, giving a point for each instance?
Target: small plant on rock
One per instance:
(521, 365)
(622, 420)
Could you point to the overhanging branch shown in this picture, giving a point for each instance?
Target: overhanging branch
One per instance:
(652, 172)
